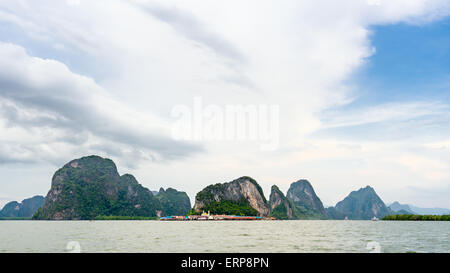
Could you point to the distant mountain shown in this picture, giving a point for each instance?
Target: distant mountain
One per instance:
(281, 207)
(91, 186)
(307, 203)
(403, 212)
(25, 209)
(242, 196)
(363, 204)
(397, 207)
(429, 211)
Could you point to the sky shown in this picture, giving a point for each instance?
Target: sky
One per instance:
(360, 91)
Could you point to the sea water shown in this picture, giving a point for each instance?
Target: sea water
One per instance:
(224, 236)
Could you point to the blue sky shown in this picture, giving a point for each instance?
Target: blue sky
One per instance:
(411, 62)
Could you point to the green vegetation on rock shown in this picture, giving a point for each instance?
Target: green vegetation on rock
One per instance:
(242, 196)
(334, 214)
(307, 203)
(89, 187)
(14, 218)
(22, 210)
(281, 207)
(253, 181)
(231, 208)
(363, 204)
(279, 212)
(174, 202)
(412, 217)
(193, 212)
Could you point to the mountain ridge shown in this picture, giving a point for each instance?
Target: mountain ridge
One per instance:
(280, 206)
(243, 195)
(306, 201)
(25, 209)
(91, 186)
(396, 206)
(363, 204)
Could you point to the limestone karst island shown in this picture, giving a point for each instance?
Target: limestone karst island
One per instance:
(90, 188)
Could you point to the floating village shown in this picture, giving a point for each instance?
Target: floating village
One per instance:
(208, 217)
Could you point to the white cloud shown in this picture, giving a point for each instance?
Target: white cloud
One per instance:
(46, 109)
(135, 60)
(428, 168)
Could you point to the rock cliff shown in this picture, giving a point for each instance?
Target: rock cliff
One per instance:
(281, 207)
(174, 202)
(363, 204)
(242, 196)
(306, 201)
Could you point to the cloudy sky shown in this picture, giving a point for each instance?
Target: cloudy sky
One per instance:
(363, 89)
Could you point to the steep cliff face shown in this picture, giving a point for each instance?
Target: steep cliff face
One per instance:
(241, 196)
(174, 202)
(397, 207)
(24, 209)
(91, 186)
(281, 207)
(363, 204)
(306, 200)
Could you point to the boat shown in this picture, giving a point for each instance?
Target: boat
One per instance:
(375, 219)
